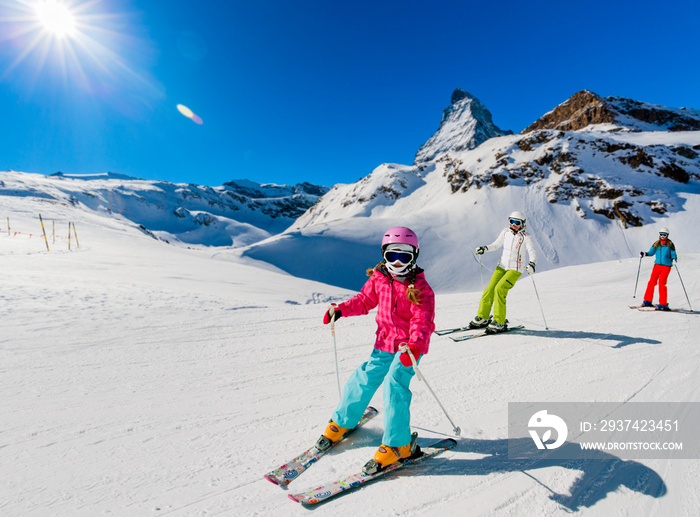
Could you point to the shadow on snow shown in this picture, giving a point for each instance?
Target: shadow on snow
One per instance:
(621, 339)
(599, 476)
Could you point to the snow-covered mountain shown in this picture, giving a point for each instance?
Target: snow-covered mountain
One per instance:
(238, 213)
(610, 171)
(466, 123)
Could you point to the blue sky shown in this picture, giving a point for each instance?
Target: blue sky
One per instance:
(316, 91)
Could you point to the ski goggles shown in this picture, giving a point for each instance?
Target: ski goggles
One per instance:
(516, 222)
(663, 235)
(405, 257)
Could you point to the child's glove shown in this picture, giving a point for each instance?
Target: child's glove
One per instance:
(330, 312)
(480, 250)
(530, 267)
(641, 253)
(406, 359)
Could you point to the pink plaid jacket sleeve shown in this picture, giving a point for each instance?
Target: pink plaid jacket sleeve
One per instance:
(398, 320)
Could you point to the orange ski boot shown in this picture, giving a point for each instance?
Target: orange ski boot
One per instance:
(332, 434)
(386, 455)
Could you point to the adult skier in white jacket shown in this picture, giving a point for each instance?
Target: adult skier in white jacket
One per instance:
(514, 242)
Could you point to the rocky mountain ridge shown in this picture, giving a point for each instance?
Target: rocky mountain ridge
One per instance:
(597, 165)
(586, 108)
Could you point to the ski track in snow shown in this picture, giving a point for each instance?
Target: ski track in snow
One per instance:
(142, 379)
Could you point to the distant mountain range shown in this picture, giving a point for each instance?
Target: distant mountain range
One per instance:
(238, 213)
(603, 168)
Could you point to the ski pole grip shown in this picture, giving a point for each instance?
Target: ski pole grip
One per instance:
(331, 310)
(405, 349)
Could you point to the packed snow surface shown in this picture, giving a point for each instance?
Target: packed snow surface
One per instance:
(141, 378)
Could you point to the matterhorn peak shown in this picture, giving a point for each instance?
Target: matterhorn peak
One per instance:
(460, 94)
(466, 123)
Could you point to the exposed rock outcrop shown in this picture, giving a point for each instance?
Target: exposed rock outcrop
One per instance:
(586, 108)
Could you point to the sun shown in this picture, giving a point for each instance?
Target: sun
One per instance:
(56, 18)
(65, 46)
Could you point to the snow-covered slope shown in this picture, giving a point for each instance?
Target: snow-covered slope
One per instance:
(146, 379)
(238, 213)
(597, 193)
(379, 190)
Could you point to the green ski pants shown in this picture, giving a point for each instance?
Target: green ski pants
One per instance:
(501, 282)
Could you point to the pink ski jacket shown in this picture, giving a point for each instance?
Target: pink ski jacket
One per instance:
(398, 320)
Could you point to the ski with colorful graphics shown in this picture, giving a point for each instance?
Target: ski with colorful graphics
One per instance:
(288, 472)
(330, 490)
(647, 308)
(482, 334)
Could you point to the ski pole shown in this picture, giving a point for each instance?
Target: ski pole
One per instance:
(686, 292)
(481, 272)
(637, 281)
(335, 353)
(404, 348)
(539, 301)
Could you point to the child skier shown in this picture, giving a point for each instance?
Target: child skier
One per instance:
(665, 252)
(509, 269)
(406, 310)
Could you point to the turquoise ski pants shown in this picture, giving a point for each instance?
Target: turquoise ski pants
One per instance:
(364, 382)
(495, 294)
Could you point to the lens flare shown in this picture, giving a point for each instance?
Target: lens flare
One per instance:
(187, 112)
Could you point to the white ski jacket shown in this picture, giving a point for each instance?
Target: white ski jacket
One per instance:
(514, 245)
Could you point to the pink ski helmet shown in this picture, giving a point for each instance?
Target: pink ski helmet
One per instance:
(402, 243)
(400, 235)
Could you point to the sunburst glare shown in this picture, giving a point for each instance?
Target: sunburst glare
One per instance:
(56, 17)
(82, 42)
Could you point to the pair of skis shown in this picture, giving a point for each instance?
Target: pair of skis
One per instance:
(465, 337)
(444, 332)
(288, 472)
(652, 308)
